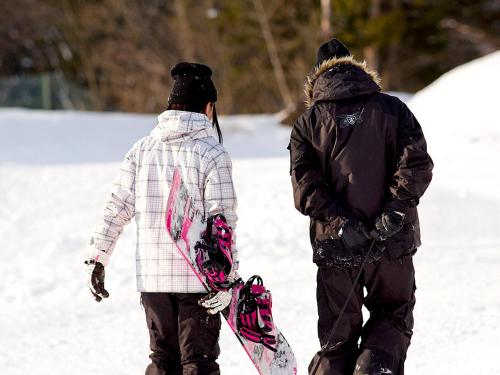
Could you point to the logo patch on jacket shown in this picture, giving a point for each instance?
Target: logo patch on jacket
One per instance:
(351, 119)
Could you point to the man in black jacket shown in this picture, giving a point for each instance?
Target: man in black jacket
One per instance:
(359, 165)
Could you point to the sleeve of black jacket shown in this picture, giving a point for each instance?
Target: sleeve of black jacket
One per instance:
(414, 165)
(310, 192)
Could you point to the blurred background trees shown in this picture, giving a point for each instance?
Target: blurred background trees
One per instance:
(117, 54)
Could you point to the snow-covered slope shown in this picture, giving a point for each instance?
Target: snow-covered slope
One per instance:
(460, 112)
(55, 172)
(69, 137)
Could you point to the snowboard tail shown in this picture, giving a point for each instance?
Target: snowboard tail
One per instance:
(260, 338)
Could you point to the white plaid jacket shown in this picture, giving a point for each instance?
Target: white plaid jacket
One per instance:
(180, 139)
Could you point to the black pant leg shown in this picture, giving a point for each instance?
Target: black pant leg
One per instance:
(333, 286)
(161, 317)
(198, 336)
(390, 299)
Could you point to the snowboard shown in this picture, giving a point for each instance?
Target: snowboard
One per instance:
(185, 226)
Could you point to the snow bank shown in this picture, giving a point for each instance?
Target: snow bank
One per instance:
(459, 114)
(464, 100)
(69, 137)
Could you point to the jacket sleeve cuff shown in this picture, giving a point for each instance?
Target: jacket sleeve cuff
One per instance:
(99, 256)
(399, 205)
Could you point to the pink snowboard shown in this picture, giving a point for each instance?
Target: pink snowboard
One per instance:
(185, 226)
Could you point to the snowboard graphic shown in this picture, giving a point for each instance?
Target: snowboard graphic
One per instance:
(272, 355)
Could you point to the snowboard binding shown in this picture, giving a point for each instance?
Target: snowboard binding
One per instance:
(254, 319)
(214, 257)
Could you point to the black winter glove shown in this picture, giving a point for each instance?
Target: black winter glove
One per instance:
(96, 279)
(388, 224)
(355, 235)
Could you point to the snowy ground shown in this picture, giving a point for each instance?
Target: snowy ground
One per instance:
(55, 172)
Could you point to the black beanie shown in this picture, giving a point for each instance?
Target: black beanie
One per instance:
(192, 84)
(331, 49)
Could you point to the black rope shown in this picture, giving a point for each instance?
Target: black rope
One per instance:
(342, 310)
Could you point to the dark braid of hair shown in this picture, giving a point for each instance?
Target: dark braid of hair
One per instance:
(215, 124)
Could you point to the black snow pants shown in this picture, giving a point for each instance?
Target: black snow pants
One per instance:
(183, 337)
(390, 299)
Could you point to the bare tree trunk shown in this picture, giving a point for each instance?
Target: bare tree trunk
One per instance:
(326, 13)
(273, 56)
(185, 37)
(390, 71)
(371, 52)
(89, 71)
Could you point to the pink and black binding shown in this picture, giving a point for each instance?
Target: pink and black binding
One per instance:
(213, 253)
(255, 319)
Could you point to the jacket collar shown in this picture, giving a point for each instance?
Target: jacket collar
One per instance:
(181, 126)
(326, 83)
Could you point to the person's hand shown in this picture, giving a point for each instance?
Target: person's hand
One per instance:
(354, 234)
(388, 224)
(215, 302)
(96, 279)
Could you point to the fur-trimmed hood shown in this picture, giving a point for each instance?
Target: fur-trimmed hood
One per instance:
(340, 78)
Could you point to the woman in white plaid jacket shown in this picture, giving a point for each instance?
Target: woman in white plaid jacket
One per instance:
(183, 336)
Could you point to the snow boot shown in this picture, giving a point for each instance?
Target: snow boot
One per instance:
(375, 362)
